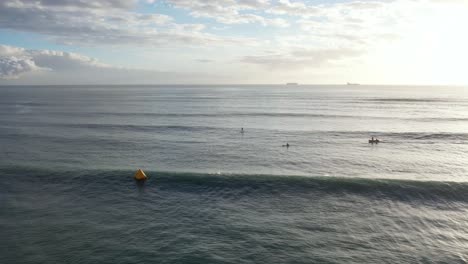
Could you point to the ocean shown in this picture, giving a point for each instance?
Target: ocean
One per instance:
(218, 195)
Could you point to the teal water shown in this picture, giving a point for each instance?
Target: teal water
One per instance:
(218, 196)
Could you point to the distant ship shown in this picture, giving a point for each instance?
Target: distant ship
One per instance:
(352, 83)
(291, 83)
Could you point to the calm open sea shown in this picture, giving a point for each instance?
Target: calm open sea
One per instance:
(216, 195)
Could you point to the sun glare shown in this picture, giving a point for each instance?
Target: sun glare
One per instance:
(431, 48)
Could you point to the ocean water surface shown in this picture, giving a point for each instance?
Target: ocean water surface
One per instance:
(216, 195)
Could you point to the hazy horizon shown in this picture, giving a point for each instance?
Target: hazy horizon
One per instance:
(396, 42)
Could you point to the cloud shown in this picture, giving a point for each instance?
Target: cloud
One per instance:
(118, 4)
(102, 22)
(302, 58)
(321, 35)
(63, 61)
(204, 60)
(15, 61)
(24, 66)
(461, 2)
(117, 22)
(286, 7)
(354, 24)
(301, 9)
(230, 11)
(6, 50)
(13, 67)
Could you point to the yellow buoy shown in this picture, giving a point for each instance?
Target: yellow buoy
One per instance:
(140, 175)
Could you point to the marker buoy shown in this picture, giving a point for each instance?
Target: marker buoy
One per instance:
(140, 175)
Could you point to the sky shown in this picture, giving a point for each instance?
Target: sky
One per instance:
(417, 42)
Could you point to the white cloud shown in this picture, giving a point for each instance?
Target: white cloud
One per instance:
(102, 22)
(6, 50)
(230, 11)
(286, 7)
(23, 66)
(88, 4)
(12, 67)
(15, 61)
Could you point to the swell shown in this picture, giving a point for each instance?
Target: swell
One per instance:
(234, 115)
(221, 115)
(253, 184)
(412, 100)
(125, 127)
(386, 137)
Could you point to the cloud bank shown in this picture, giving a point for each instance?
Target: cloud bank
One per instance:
(23, 66)
(239, 38)
(15, 61)
(102, 22)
